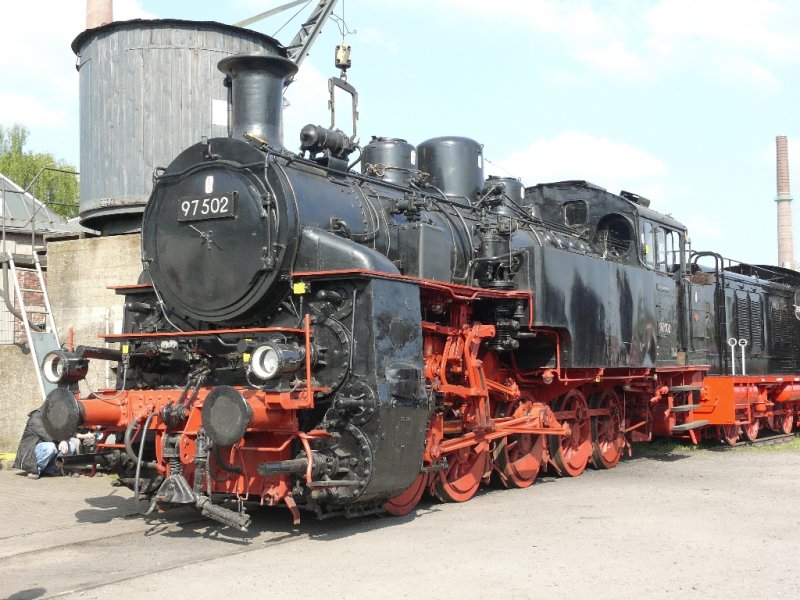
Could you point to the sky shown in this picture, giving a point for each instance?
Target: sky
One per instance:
(676, 100)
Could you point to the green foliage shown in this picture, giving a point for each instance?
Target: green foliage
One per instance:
(59, 191)
(665, 447)
(790, 445)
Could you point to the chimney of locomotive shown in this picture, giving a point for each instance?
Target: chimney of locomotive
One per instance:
(98, 13)
(784, 201)
(255, 100)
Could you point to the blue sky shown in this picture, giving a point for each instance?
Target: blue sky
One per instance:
(677, 100)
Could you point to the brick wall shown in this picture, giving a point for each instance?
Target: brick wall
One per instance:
(11, 329)
(34, 301)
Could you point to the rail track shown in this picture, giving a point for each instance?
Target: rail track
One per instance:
(771, 440)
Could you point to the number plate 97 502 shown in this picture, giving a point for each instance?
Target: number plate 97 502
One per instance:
(217, 206)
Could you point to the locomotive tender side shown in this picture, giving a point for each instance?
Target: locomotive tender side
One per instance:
(343, 342)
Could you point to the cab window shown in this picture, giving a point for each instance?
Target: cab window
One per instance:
(661, 248)
(575, 213)
(648, 244)
(673, 250)
(669, 249)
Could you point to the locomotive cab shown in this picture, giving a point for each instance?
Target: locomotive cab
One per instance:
(662, 242)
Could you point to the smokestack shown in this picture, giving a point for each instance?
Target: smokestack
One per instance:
(256, 99)
(784, 200)
(99, 12)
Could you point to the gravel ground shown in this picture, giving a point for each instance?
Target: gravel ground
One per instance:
(698, 524)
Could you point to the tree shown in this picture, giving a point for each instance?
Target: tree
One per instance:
(59, 191)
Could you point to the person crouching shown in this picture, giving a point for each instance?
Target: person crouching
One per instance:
(37, 451)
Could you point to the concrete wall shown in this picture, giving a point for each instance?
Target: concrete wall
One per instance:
(78, 275)
(19, 394)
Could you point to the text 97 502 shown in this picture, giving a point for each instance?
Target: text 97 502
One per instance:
(212, 207)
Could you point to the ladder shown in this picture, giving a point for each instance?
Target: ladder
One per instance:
(41, 340)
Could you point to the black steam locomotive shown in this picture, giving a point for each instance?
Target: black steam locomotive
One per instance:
(343, 342)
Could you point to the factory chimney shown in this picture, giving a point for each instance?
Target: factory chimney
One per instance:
(99, 12)
(784, 200)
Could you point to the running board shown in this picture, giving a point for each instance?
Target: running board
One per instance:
(688, 426)
(685, 408)
(684, 388)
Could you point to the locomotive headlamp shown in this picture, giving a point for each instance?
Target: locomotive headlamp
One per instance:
(272, 360)
(60, 366)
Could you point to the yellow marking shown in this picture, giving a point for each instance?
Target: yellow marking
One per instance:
(246, 357)
(126, 349)
(300, 288)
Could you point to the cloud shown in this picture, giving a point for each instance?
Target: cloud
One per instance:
(40, 87)
(28, 110)
(307, 103)
(794, 159)
(765, 26)
(616, 58)
(736, 41)
(130, 9)
(738, 69)
(575, 155)
(599, 38)
(741, 41)
(705, 228)
(371, 36)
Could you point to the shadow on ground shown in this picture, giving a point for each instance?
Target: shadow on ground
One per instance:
(28, 594)
(272, 527)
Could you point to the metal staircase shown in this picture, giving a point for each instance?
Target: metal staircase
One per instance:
(688, 401)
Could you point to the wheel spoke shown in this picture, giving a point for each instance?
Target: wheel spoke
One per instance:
(786, 422)
(608, 441)
(518, 457)
(463, 477)
(729, 434)
(751, 430)
(571, 453)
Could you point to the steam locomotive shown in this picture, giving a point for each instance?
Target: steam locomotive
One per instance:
(341, 342)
